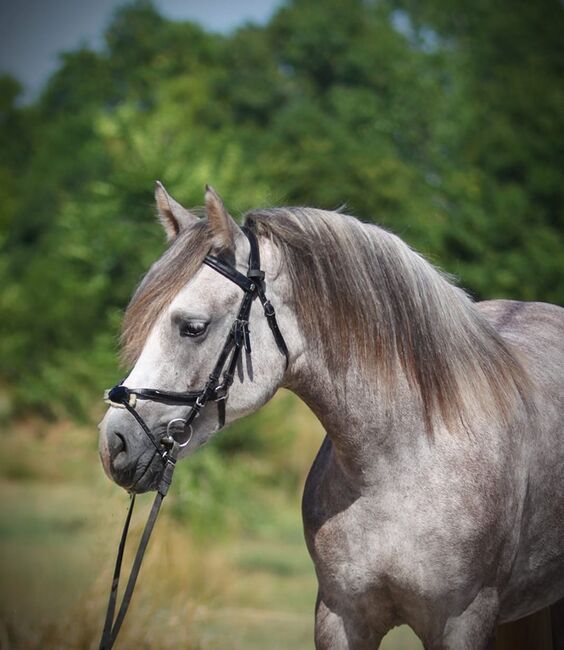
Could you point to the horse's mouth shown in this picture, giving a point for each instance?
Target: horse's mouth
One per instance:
(147, 474)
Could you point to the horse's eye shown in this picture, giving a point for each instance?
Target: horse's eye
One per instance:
(193, 328)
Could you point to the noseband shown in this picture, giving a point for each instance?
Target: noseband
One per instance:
(216, 390)
(217, 386)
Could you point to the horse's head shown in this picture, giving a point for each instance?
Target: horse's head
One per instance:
(176, 328)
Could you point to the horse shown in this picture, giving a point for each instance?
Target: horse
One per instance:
(436, 498)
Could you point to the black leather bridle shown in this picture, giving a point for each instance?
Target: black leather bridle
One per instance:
(216, 390)
(217, 386)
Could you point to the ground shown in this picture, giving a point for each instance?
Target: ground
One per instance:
(59, 524)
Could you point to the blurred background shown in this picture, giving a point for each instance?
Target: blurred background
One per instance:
(442, 120)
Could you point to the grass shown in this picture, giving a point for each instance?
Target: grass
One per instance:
(245, 584)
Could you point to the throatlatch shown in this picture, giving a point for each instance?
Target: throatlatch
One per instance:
(216, 390)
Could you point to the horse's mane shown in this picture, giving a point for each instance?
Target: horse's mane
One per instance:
(363, 297)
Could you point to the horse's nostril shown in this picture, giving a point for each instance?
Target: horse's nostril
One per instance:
(119, 463)
(120, 444)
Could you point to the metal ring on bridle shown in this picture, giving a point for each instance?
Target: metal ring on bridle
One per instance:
(169, 433)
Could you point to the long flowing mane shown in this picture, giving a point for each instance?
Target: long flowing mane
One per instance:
(362, 296)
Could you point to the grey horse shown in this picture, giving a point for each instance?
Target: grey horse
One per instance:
(436, 499)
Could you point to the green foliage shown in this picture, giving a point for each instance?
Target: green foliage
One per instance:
(231, 484)
(441, 120)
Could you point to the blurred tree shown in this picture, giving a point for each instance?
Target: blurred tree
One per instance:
(441, 120)
(499, 152)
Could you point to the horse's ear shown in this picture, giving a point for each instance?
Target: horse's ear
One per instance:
(222, 225)
(174, 217)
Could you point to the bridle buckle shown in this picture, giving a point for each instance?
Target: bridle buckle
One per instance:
(268, 309)
(219, 395)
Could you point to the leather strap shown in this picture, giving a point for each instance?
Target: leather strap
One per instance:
(273, 324)
(230, 273)
(112, 626)
(105, 642)
(214, 390)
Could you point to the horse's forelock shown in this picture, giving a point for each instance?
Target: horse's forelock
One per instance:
(160, 285)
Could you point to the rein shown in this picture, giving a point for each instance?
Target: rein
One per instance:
(216, 389)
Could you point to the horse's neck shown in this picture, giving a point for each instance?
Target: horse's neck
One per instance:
(354, 417)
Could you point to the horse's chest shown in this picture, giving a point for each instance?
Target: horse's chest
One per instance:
(341, 548)
(371, 561)
(340, 535)
(398, 545)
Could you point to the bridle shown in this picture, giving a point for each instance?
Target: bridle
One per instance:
(216, 389)
(217, 386)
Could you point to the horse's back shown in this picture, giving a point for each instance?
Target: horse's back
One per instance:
(536, 331)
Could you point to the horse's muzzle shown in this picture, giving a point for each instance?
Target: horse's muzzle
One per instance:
(126, 457)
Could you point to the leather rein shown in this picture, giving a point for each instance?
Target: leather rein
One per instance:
(216, 389)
